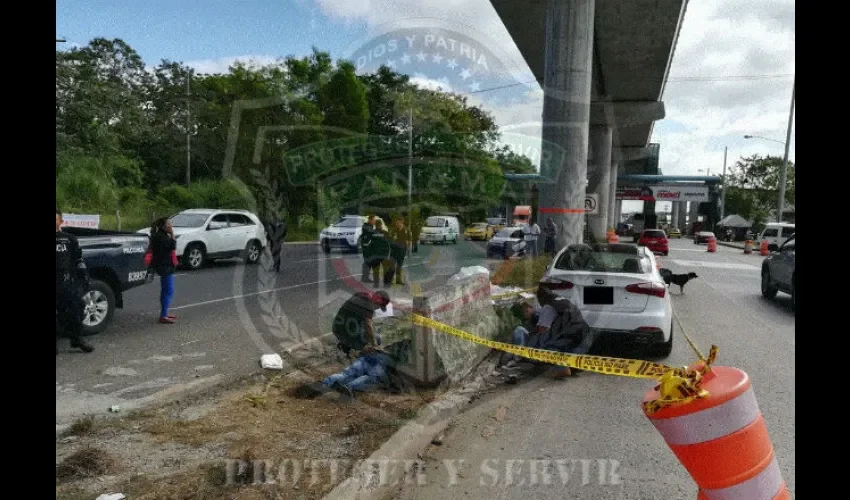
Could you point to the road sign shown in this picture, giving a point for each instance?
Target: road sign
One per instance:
(591, 204)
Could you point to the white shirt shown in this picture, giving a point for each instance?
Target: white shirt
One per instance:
(531, 232)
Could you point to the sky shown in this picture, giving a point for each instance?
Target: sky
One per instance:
(732, 72)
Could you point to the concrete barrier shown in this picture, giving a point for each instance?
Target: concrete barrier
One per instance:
(464, 304)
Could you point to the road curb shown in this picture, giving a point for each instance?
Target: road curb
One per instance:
(197, 387)
(161, 398)
(379, 476)
(300, 243)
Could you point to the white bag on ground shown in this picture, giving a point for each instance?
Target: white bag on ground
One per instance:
(271, 361)
(469, 271)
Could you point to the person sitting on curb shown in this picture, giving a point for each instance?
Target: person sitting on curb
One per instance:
(557, 325)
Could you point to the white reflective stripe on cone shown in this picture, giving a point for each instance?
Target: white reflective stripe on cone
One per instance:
(710, 424)
(764, 486)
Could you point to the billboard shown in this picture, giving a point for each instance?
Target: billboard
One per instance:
(80, 220)
(662, 192)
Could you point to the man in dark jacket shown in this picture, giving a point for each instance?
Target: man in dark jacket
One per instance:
(365, 243)
(380, 261)
(275, 235)
(72, 279)
(352, 325)
(557, 325)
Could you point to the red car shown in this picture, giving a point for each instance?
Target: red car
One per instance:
(655, 240)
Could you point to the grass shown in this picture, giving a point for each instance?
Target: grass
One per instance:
(525, 273)
(285, 427)
(85, 463)
(82, 426)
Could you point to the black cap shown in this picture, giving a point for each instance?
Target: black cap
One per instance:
(381, 298)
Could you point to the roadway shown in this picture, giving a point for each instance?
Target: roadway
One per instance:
(594, 422)
(228, 315)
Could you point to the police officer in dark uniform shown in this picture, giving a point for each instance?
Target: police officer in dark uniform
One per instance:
(72, 278)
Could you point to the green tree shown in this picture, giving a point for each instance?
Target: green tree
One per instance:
(753, 187)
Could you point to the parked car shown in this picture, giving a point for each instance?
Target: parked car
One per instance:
(116, 263)
(778, 272)
(478, 231)
(655, 240)
(775, 233)
(703, 237)
(674, 232)
(345, 233)
(619, 291)
(506, 243)
(440, 229)
(206, 234)
(497, 223)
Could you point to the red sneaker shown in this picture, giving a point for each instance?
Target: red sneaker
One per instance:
(171, 316)
(166, 321)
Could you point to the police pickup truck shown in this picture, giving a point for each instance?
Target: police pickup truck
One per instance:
(116, 263)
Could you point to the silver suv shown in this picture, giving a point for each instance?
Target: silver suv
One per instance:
(777, 272)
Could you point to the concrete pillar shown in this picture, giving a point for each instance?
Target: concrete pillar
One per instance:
(566, 115)
(693, 208)
(683, 213)
(600, 152)
(674, 214)
(618, 210)
(613, 216)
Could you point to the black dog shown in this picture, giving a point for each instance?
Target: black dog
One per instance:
(679, 279)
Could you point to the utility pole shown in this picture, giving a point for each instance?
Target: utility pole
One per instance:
(410, 167)
(188, 127)
(723, 193)
(783, 174)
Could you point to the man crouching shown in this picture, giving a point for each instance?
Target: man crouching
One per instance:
(557, 325)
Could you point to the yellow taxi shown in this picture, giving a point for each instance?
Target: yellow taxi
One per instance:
(674, 232)
(478, 231)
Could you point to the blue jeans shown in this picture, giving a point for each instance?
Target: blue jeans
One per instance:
(363, 374)
(166, 293)
(531, 248)
(523, 337)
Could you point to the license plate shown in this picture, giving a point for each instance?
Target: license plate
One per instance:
(598, 295)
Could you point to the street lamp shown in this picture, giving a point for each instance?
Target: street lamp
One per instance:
(763, 138)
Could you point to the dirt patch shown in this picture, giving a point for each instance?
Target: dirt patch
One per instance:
(183, 451)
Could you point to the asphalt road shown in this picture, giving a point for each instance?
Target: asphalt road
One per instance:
(594, 424)
(228, 315)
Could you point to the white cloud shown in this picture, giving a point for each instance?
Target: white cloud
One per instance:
(221, 65)
(720, 38)
(430, 83)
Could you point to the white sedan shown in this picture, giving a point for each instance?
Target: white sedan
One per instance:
(618, 290)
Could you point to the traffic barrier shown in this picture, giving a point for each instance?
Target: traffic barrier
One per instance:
(721, 439)
(765, 251)
(712, 245)
(748, 247)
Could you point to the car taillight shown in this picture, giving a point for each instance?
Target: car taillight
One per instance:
(557, 285)
(654, 289)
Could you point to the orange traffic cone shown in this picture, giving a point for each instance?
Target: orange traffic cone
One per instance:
(613, 238)
(748, 247)
(712, 245)
(722, 439)
(764, 249)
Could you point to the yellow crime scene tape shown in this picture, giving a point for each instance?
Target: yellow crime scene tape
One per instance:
(675, 385)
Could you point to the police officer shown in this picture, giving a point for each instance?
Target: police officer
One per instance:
(72, 278)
